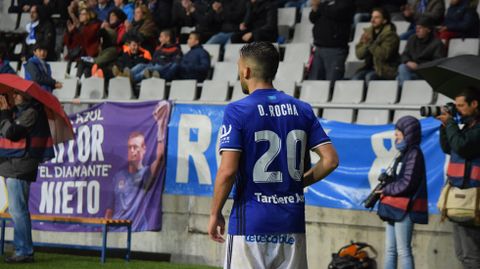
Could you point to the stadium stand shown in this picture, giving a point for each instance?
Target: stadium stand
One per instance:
(69, 89)
(214, 90)
(225, 71)
(297, 52)
(120, 89)
(414, 92)
(315, 91)
(183, 90)
(379, 92)
(293, 71)
(460, 46)
(152, 89)
(345, 92)
(237, 93)
(92, 88)
(287, 86)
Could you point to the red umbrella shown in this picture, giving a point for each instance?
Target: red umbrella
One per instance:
(60, 126)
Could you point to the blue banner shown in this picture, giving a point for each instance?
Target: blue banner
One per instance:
(364, 152)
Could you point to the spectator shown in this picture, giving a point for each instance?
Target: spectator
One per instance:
(421, 47)
(25, 5)
(126, 7)
(461, 21)
(5, 67)
(293, 3)
(331, 32)
(259, 24)
(39, 71)
(101, 65)
(144, 27)
(81, 38)
(102, 9)
(40, 30)
(393, 7)
(378, 46)
(166, 54)
(187, 13)
(115, 23)
(131, 56)
(227, 15)
(434, 9)
(163, 14)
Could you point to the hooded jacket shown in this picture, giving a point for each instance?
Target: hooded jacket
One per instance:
(407, 194)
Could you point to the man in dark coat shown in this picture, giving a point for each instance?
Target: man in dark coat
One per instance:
(259, 24)
(40, 30)
(461, 21)
(227, 16)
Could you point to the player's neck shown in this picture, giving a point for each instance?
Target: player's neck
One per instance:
(259, 85)
(133, 169)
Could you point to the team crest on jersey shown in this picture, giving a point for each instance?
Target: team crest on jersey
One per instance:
(225, 133)
(121, 183)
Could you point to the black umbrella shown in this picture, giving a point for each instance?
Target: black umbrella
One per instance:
(451, 75)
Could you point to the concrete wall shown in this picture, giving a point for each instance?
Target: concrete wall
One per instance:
(185, 223)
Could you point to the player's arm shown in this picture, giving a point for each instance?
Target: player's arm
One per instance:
(155, 166)
(223, 185)
(327, 163)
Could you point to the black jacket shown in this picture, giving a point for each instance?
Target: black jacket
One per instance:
(261, 19)
(228, 20)
(332, 23)
(462, 19)
(423, 50)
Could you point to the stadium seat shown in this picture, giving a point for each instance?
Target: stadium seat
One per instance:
(59, 69)
(24, 20)
(226, 71)
(382, 92)
(401, 48)
(352, 63)
(290, 71)
(14, 65)
(305, 14)
(92, 88)
(120, 88)
(69, 89)
(286, 16)
(402, 26)
(214, 90)
(237, 93)
(297, 52)
(457, 46)
(214, 51)
(414, 92)
(442, 100)
(315, 91)
(232, 52)
(21, 71)
(286, 86)
(303, 33)
(345, 92)
(7, 23)
(183, 90)
(359, 31)
(185, 48)
(152, 89)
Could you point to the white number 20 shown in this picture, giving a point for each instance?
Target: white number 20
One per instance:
(295, 139)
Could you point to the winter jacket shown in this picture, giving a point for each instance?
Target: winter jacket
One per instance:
(44, 34)
(85, 37)
(197, 19)
(229, 19)
(25, 141)
(147, 30)
(102, 13)
(463, 145)
(423, 50)
(462, 20)
(435, 10)
(167, 54)
(261, 19)
(332, 23)
(128, 59)
(380, 52)
(195, 64)
(40, 72)
(5, 67)
(407, 194)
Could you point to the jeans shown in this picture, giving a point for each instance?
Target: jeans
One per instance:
(467, 245)
(220, 38)
(405, 73)
(18, 193)
(328, 64)
(398, 243)
(367, 75)
(163, 70)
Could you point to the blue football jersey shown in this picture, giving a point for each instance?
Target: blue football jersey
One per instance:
(274, 132)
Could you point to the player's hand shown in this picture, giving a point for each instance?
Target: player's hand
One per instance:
(216, 228)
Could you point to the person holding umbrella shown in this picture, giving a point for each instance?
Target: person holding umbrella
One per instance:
(25, 141)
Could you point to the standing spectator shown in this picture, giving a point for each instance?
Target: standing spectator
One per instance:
(163, 14)
(115, 23)
(5, 67)
(363, 10)
(188, 13)
(81, 38)
(131, 56)
(463, 146)
(227, 15)
(144, 27)
(378, 46)
(461, 21)
(421, 48)
(259, 24)
(40, 30)
(23, 124)
(434, 9)
(100, 66)
(393, 7)
(102, 9)
(126, 7)
(404, 200)
(331, 32)
(38, 70)
(166, 54)
(25, 5)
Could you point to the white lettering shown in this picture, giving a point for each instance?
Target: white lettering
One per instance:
(261, 112)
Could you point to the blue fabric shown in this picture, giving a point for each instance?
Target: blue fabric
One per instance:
(41, 69)
(195, 64)
(398, 244)
(18, 193)
(102, 13)
(129, 10)
(422, 6)
(274, 132)
(401, 146)
(462, 19)
(220, 38)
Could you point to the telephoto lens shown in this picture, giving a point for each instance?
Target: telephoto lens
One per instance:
(430, 111)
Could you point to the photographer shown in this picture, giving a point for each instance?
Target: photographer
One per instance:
(463, 145)
(404, 199)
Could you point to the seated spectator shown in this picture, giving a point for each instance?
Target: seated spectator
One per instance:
(5, 67)
(100, 66)
(378, 46)
(259, 24)
(40, 30)
(191, 14)
(421, 48)
(81, 37)
(126, 7)
(461, 21)
(131, 56)
(166, 54)
(102, 9)
(115, 23)
(227, 16)
(39, 71)
(144, 27)
(434, 9)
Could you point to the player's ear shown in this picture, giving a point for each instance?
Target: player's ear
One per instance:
(247, 72)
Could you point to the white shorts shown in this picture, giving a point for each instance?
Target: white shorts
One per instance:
(276, 251)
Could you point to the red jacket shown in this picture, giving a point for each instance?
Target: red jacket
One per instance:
(85, 37)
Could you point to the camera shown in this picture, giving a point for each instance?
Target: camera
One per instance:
(434, 111)
(384, 179)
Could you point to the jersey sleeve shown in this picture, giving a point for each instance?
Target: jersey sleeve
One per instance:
(231, 130)
(317, 136)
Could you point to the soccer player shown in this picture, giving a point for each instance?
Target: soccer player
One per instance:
(263, 141)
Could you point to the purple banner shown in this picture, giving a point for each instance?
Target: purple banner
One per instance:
(115, 168)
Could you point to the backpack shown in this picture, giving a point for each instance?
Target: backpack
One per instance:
(353, 256)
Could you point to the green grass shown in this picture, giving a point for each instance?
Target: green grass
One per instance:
(54, 261)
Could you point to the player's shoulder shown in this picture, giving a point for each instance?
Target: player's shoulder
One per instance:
(302, 105)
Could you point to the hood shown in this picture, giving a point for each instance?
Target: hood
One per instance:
(411, 129)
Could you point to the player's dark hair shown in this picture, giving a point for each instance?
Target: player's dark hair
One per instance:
(266, 59)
